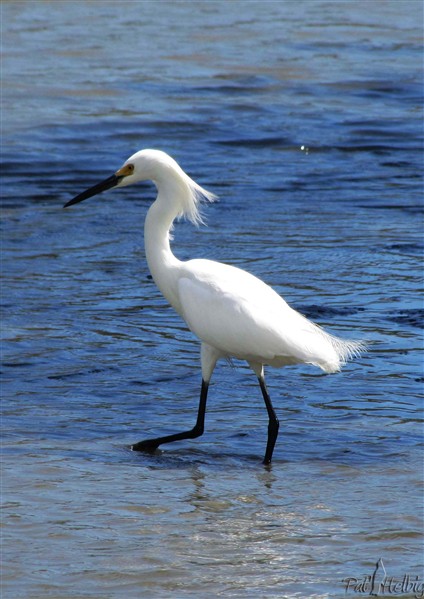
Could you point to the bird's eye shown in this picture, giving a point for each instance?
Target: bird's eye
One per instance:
(126, 170)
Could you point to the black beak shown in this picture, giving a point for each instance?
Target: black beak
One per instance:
(92, 191)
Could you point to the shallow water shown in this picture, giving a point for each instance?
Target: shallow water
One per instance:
(305, 119)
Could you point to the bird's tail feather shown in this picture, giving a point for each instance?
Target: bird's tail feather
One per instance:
(347, 349)
(344, 351)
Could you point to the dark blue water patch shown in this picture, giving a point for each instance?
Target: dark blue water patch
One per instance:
(377, 129)
(398, 164)
(85, 372)
(16, 364)
(247, 109)
(408, 317)
(379, 136)
(315, 311)
(379, 89)
(382, 125)
(115, 134)
(409, 249)
(176, 129)
(414, 209)
(234, 84)
(153, 380)
(378, 149)
(260, 142)
(353, 147)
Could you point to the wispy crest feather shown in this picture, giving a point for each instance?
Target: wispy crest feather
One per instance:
(192, 198)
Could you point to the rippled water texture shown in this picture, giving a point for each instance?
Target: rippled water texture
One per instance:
(304, 117)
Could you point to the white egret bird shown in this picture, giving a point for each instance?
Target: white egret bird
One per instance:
(233, 313)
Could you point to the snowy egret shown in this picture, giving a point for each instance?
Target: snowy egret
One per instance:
(233, 313)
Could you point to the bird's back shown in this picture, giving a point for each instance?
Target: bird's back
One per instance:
(241, 316)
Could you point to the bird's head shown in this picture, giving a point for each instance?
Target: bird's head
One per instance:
(155, 165)
(141, 166)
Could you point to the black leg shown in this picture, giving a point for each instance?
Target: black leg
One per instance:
(273, 424)
(196, 431)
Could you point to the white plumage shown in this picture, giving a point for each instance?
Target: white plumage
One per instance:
(232, 312)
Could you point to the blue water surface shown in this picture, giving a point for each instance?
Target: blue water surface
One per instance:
(305, 119)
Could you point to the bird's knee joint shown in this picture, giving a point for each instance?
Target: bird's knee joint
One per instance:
(197, 431)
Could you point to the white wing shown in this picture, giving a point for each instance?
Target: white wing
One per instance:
(241, 316)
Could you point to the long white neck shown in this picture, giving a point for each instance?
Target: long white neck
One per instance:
(163, 265)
